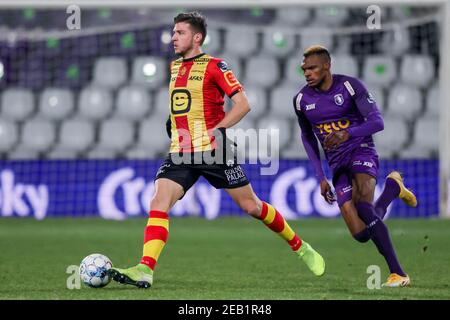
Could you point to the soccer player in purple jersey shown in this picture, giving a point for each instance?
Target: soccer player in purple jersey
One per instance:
(343, 115)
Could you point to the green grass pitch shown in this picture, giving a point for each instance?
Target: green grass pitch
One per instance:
(228, 258)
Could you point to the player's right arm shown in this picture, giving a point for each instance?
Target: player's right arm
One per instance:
(312, 150)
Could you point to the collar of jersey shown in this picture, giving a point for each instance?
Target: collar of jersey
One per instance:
(193, 58)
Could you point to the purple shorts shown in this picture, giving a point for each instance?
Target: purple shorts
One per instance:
(360, 160)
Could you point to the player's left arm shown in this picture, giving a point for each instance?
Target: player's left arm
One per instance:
(368, 109)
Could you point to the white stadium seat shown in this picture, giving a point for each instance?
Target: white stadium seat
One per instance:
(110, 72)
(417, 70)
(38, 134)
(8, 135)
(56, 103)
(133, 103)
(404, 101)
(95, 103)
(17, 104)
(262, 71)
(150, 72)
(392, 139)
(379, 70)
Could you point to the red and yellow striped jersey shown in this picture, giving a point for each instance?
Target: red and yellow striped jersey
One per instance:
(196, 96)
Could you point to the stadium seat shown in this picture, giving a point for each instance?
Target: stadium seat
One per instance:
(17, 104)
(282, 125)
(152, 137)
(292, 16)
(424, 144)
(392, 139)
(404, 101)
(379, 70)
(417, 70)
(262, 71)
(95, 103)
(110, 72)
(278, 41)
(241, 41)
(433, 106)
(257, 100)
(38, 134)
(115, 134)
(56, 104)
(150, 72)
(133, 103)
(293, 72)
(162, 104)
(8, 135)
(76, 135)
(316, 35)
(212, 43)
(332, 16)
(344, 64)
(396, 41)
(281, 100)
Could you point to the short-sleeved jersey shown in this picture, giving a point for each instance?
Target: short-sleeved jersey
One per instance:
(196, 96)
(333, 110)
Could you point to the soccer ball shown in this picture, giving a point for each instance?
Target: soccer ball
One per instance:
(93, 270)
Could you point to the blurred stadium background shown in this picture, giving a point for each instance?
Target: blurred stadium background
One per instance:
(82, 112)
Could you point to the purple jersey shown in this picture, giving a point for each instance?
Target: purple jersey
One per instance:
(347, 105)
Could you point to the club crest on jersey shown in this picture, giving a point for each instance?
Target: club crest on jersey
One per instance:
(339, 99)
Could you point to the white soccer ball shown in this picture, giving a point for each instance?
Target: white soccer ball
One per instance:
(93, 270)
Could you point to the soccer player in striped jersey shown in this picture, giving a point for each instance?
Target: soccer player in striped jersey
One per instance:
(198, 83)
(340, 112)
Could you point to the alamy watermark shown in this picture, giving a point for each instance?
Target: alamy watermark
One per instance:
(374, 280)
(374, 20)
(73, 280)
(73, 21)
(237, 146)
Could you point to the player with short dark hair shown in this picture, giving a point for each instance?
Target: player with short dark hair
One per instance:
(340, 112)
(198, 83)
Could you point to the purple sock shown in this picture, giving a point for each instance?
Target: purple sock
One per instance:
(390, 192)
(380, 236)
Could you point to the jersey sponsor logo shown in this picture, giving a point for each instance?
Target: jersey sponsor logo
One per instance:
(223, 66)
(339, 99)
(230, 79)
(349, 88)
(333, 126)
(196, 78)
(180, 101)
(310, 106)
(362, 163)
(234, 175)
